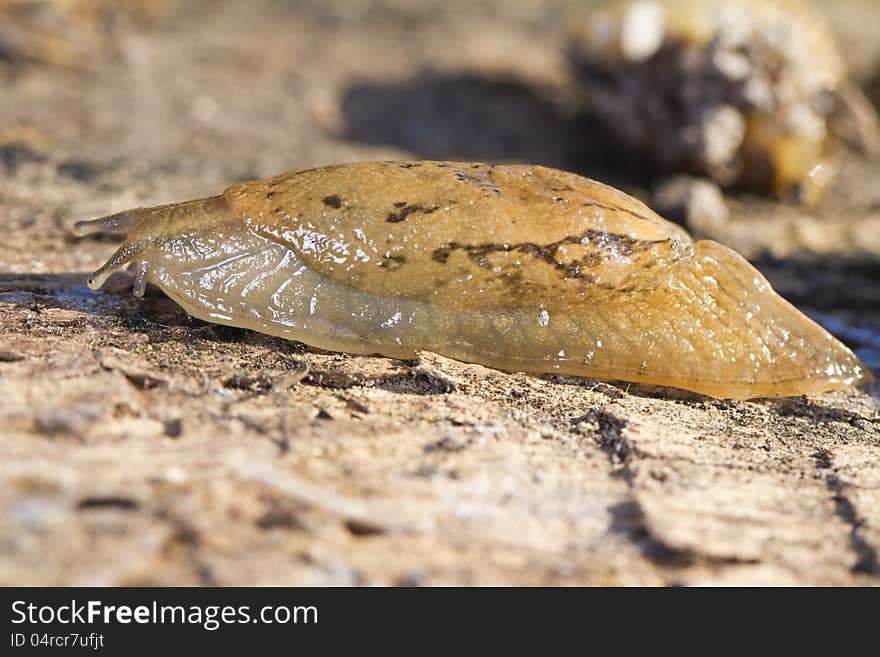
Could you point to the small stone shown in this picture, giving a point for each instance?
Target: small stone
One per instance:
(175, 474)
(731, 64)
(586, 428)
(173, 427)
(722, 129)
(642, 31)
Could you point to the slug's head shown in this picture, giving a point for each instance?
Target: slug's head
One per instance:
(145, 228)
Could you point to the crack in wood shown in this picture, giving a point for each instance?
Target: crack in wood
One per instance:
(628, 518)
(866, 555)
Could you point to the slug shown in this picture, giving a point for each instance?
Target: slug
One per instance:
(516, 267)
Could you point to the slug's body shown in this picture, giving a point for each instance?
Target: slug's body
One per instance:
(514, 267)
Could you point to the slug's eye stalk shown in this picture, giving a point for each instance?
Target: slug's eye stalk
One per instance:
(125, 254)
(121, 222)
(140, 279)
(142, 227)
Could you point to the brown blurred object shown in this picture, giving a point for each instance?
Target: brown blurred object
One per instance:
(750, 93)
(68, 33)
(698, 203)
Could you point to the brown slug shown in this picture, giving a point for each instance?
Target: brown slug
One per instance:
(516, 267)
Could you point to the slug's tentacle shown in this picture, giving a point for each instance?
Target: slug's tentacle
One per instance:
(121, 222)
(146, 230)
(140, 278)
(124, 254)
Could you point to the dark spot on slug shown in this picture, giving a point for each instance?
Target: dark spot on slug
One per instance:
(270, 195)
(400, 204)
(442, 254)
(397, 217)
(392, 262)
(332, 201)
(599, 243)
(410, 165)
(513, 279)
(406, 210)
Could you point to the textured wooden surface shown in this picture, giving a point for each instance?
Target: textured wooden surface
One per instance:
(142, 447)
